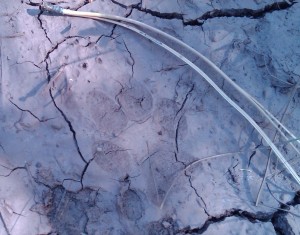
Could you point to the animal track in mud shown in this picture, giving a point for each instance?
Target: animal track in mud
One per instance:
(87, 211)
(164, 169)
(107, 115)
(136, 101)
(67, 212)
(113, 159)
(156, 228)
(131, 205)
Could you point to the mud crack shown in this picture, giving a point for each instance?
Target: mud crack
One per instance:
(138, 6)
(129, 7)
(132, 59)
(84, 170)
(252, 217)
(177, 134)
(185, 100)
(111, 35)
(244, 12)
(28, 111)
(204, 207)
(87, 163)
(70, 127)
(13, 169)
(41, 24)
(55, 47)
(4, 224)
(216, 13)
(277, 218)
(85, 2)
(177, 160)
(82, 174)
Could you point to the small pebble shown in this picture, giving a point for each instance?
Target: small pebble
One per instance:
(166, 224)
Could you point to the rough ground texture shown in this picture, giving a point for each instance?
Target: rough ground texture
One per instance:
(99, 126)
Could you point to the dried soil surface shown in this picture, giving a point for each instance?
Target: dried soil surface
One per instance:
(99, 126)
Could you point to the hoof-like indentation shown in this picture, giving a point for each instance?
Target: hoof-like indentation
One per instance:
(107, 115)
(136, 101)
(113, 159)
(132, 205)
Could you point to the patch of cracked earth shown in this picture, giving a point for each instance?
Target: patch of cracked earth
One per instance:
(103, 132)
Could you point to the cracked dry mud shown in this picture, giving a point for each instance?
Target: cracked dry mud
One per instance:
(102, 132)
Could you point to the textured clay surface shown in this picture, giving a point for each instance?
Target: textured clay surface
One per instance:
(104, 132)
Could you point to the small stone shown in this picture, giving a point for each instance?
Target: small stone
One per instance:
(166, 224)
(285, 197)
